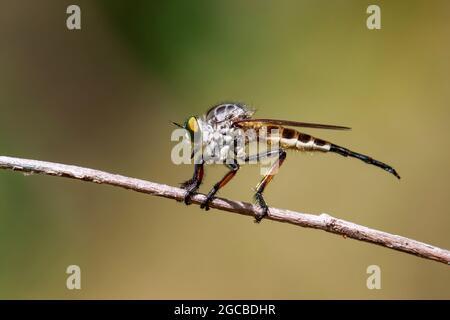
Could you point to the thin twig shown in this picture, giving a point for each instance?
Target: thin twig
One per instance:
(323, 222)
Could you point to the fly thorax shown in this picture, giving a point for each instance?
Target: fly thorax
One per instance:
(219, 145)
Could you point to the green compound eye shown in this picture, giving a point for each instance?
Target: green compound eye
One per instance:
(192, 124)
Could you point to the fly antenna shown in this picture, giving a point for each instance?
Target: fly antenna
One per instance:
(178, 125)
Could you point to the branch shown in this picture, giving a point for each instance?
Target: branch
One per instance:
(322, 222)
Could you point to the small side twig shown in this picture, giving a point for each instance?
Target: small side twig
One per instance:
(322, 222)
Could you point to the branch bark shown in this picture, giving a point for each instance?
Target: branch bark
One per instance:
(322, 222)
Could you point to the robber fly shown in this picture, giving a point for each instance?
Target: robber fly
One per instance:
(224, 124)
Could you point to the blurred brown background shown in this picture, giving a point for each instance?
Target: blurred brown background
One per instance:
(104, 96)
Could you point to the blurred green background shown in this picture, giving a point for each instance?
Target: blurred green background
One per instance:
(104, 96)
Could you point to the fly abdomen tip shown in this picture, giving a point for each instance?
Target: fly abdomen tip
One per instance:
(394, 172)
(348, 153)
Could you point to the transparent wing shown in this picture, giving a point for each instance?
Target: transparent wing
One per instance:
(243, 122)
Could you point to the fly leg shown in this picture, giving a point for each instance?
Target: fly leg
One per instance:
(264, 182)
(234, 167)
(192, 185)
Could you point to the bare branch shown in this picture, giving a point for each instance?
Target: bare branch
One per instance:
(323, 222)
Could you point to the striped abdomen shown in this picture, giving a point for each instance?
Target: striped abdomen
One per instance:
(289, 138)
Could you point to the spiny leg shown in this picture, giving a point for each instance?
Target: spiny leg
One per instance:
(234, 167)
(262, 155)
(264, 182)
(192, 185)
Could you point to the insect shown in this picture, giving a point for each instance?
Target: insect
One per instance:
(220, 136)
